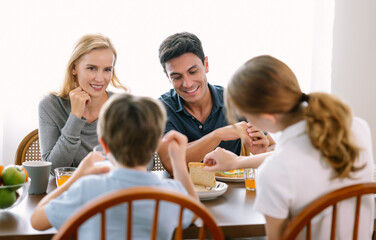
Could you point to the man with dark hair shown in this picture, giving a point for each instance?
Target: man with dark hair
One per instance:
(195, 107)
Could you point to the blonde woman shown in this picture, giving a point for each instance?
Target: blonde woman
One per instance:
(322, 148)
(68, 119)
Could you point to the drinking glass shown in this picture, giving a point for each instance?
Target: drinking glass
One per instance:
(99, 149)
(106, 161)
(250, 179)
(62, 174)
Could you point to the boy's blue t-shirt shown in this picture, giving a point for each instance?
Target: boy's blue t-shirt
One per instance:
(89, 187)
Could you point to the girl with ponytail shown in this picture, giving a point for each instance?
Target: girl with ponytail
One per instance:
(322, 148)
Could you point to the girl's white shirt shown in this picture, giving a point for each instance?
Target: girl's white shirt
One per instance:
(296, 174)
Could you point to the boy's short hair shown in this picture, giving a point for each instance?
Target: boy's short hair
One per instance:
(179, 44)
(132, 127)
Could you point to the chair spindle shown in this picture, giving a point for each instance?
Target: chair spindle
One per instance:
(202, 232)
(103, 225)
(179, 229)
(334, 222)
(129, 222)
(357, 212)
(155, 223)
(308, 234)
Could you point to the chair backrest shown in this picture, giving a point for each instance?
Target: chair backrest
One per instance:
(303, 219)
(99, 205)
(28, 149)
(157, 163)
(244, 151)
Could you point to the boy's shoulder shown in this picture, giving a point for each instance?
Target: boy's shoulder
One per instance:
(173, 184)
(125, 178)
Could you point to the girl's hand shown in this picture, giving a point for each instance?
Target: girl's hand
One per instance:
(220, 160)
(79, 99)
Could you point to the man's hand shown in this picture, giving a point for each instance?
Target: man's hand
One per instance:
(232, 132)
(259, 141)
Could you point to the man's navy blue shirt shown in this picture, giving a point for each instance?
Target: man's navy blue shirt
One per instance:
(182, 121)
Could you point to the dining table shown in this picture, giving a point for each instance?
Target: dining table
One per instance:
(232, 211)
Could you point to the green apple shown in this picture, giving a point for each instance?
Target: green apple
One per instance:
(7, 197)
(12, 175)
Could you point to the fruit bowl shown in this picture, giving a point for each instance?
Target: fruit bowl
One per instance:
(20, 190)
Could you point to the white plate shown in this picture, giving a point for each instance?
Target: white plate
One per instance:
(220, 189)
(229, 179)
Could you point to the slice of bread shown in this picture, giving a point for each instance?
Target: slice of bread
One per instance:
(201, 177)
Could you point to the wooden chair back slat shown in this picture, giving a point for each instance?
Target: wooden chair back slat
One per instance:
(356, 220)
(103, 225)
(202, 232)
(309, 231)
(155, 221)
(129, 221)
(179, 229)
(334, 223)
(129, 195)
(329, 199)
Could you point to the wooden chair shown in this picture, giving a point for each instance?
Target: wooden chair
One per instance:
(28, 149)
(244, 151)
(157, 163)
(99, 205)
(330, 199)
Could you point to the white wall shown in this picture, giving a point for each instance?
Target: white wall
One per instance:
(37, 37)
(354, 58)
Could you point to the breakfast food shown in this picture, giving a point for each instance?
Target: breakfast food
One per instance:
(200, 188)
(12, 178)
(201, 177)
(237, 173)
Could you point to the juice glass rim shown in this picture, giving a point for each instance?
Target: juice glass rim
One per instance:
(65, 169)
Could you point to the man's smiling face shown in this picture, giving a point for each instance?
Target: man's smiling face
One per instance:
(187, 74)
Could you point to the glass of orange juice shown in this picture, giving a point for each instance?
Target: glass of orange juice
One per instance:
(62, 174)
(250, 179)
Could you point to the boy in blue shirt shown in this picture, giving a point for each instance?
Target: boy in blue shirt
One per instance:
(130, 129)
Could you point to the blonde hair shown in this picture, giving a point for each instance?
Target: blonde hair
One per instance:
(86, 44)
(132, 127)
(264, 84)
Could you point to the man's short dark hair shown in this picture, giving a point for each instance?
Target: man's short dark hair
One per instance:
(179, 44)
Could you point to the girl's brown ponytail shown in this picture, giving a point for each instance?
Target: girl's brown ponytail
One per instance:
(329, 128)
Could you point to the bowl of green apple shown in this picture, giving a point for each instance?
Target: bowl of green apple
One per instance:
(14, 186)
